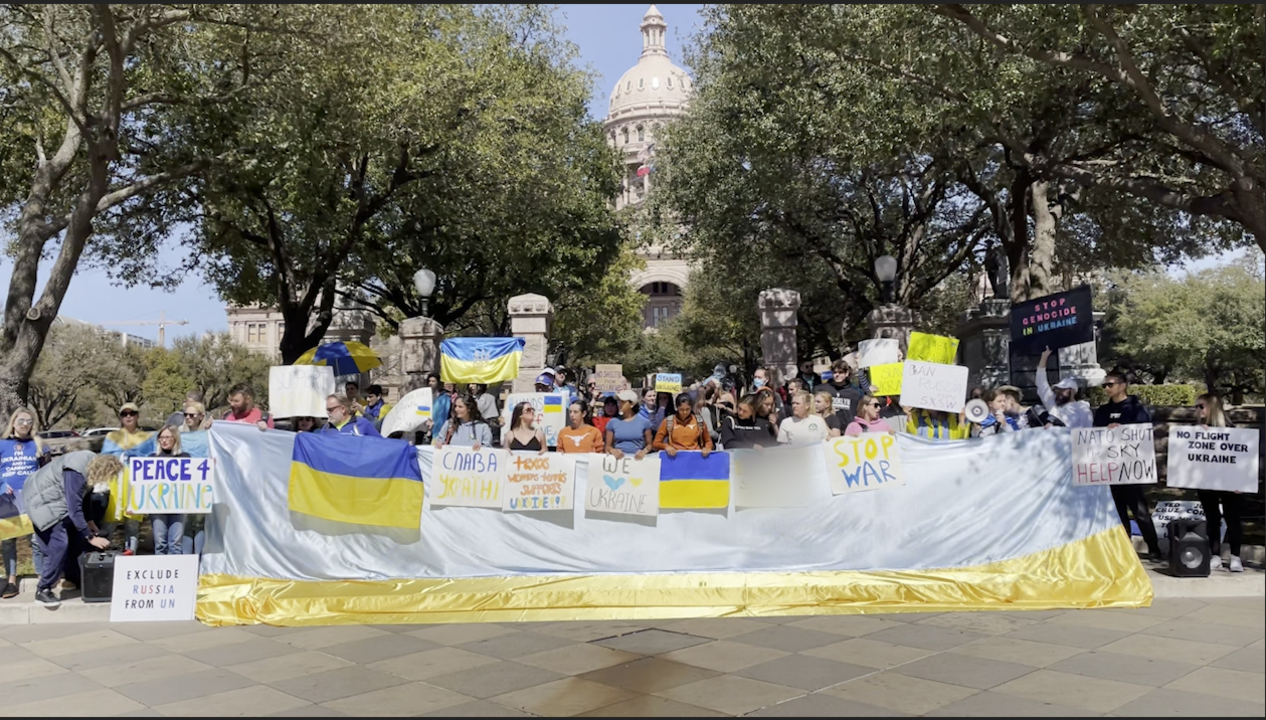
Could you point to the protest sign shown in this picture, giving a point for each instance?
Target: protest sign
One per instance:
(777, 477)
(169, 485)
(932, 348)
(1213, 458)
(539, 482)
(886, 378)
(412, 413)
(867, 462)
(1123, 455)
(609, 378)
(623, 487)
(465, 477)
(299, 390)
(879, 351)
(668, 382)
(149, 588)
(550, 413)
(933, 386)
(1053, 321)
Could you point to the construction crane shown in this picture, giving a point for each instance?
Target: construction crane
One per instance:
(162, 322)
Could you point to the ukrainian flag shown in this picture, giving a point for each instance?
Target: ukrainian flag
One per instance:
(13, 522)
(356, 479)
(480, 360)
(691, 481)
(553, 405)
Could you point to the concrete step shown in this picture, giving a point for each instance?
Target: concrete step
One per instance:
(23, 610)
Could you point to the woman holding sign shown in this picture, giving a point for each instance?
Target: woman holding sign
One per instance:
(579, 436)
(1220, 504)
(522, 435)
(466, 428)
(631, 432)
(683, 430)
(168, 528)
(21, 454)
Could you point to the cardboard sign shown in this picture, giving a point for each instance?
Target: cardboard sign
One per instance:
(668, 382)
(1213, 458)
(161, 485)
(150, 588)
(411, 414)
(932, 348)
(623, 487)
(1123, 455)
(932, 386)
(468, 478)
(550, 413)
(866, 462)
(539, 482)
(879, 351)
(776, 477)
(609, 378)
(1054, 321)
(299, 390)
(886, 378)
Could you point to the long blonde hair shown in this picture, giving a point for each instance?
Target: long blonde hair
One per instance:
(175, 434)
(35, 428)
(1214, 415)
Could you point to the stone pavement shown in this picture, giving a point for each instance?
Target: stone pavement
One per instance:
(1180, 657)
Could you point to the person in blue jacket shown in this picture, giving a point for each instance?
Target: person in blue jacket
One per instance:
(342, 420)
(21, 454)
(1123, 408)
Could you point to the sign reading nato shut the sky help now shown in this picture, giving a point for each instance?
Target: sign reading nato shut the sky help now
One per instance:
(1123, 455)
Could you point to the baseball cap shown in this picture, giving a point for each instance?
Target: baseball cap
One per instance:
(545, 379)
(1067, 384)
(129, 406)
(548, 371)
(626, 396)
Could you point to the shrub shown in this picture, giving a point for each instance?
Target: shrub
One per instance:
(1176, 395)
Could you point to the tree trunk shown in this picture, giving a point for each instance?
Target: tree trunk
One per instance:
(1017, 245)
(1042, 255)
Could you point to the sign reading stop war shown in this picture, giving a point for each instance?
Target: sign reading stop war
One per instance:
(1055, 321)
(1123, 455)
(867, 462)
(1213, 458)
(934, 386)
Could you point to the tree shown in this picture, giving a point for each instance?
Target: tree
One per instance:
(80, 367)
(81, 84)
(1204, 327)
(601, 323)
(213, 364)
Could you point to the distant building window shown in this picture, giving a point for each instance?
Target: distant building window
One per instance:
(641, 83)
(654, 83)
(641, 134)
(670, 82)
(628, 86)
(626, 135)
(252, 332)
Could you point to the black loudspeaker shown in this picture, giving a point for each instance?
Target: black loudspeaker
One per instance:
(1188, 548)
(96, 571)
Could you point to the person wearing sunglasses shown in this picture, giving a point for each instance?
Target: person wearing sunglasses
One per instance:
(1221, 505)
(21, 455)
(117, 443)
(1123, 408)
(867, 419)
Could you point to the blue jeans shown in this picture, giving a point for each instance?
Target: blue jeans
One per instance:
(195, 533)
(169, 531)
(9, 550)
(62, 546)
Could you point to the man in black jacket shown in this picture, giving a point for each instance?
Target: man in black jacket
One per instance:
(1125, 409)
(845, 397)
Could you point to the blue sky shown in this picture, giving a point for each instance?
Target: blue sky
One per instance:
(609, 42)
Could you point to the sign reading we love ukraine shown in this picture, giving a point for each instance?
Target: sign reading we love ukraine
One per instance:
(623, 487)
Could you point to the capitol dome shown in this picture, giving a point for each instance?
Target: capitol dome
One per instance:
(654, 84)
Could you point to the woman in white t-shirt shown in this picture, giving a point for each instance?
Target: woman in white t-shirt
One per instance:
(802, 428)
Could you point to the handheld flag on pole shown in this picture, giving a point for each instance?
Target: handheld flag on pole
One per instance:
(480, 360)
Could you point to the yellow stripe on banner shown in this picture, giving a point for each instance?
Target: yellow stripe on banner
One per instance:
(484, 372)
(1100, 571)
(15, 527)
(694, 494)
(394, 502)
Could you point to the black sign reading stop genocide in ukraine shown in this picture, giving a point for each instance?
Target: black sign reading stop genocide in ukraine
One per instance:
(1055, 321)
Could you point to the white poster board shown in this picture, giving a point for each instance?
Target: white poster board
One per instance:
(1124, 455)
(465, 477)
(163, 485)
(777, 477)
(151, 588)
(550, 409)
(934, 386)
(879, 351)
(869, 461)
(1213, 458)
(609, 378)
(539, 482)
(411, 414)
(623, 487)
(299, 390)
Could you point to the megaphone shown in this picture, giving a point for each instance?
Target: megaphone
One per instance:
(976, 410)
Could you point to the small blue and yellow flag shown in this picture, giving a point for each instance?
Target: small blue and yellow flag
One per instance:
(480, 360)
(13, 522)
(691, 481)
(356, 479)
(552, 405)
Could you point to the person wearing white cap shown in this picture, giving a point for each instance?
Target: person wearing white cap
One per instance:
(1062, 402)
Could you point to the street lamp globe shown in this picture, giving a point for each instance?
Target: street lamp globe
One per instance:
(424, 281)
(886, 273)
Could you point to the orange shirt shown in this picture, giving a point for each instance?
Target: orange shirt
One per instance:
(686, 435)
(586, 439)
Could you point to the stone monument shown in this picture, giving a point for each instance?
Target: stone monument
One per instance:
(530, 319)
(778, 322)
(419, 351)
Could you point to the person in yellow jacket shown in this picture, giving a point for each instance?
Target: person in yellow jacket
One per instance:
(114, 494)
(937, 425)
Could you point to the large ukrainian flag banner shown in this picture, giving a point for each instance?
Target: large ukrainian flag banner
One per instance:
(480, 360)
(355, 479)
(689, 481)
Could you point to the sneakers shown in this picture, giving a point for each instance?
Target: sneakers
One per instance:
(128, 552)
(46, 598)
(1237, 565)
(1215, 562)
(1156, 557)
(10, 591)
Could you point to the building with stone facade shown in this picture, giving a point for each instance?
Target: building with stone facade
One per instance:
(646, 96)
(260, 328)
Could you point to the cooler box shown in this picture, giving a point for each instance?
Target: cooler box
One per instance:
(96, 571)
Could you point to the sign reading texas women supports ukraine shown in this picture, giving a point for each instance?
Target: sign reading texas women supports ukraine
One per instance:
(480, 360)
(356, 479)
(169, 485)
(539, 482)
(1055, 321)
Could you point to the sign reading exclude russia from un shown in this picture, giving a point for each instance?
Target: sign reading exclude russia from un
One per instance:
(1055, 321)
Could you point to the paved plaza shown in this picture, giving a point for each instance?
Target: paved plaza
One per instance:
(1181, 657)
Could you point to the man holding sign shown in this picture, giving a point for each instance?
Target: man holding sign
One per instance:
(1123, 408)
